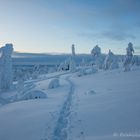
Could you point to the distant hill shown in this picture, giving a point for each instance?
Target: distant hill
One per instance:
(41, 58)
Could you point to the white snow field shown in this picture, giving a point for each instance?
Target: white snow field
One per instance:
(100, 106)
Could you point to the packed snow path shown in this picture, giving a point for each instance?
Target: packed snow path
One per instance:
(61, 129)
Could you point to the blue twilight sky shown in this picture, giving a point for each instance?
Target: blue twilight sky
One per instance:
(53, 25)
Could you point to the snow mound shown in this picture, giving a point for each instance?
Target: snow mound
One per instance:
(35, 94)
(90, 92)
(84, 71)
(54, 83)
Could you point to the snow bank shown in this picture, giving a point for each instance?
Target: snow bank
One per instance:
(54, 83)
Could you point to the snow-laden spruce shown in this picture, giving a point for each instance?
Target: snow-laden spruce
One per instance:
(73, 50)
(6, 67)
(72, 63)
(111, 61)
(97, 56)
(128, 57)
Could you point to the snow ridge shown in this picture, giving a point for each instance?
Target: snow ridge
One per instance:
(60, 131)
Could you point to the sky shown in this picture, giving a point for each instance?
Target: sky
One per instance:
(46, 26)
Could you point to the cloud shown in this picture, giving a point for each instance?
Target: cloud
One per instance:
(87, 35)
(111, 35)
(118, 13)
(118, 36)
(120, 8)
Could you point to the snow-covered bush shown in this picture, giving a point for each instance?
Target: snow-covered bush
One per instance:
(90, 71)
(64, 66)
(36, 71)
(86, 71)
(6, 75)
(20, 80)
(136, 60)
(82, 71)
(68, 64)
(83, 63)
(97, 56)
(34, 94)
(54, 83)
(129, 57)
(26, 73)
(111, 61)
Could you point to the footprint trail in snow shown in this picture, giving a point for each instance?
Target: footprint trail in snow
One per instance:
(61, 129)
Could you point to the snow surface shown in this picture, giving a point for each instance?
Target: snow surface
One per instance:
(113, 109)
(101, 106)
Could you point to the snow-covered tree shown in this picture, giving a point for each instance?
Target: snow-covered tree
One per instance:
(96, 51)
(129, 49)
(72, 65)
(69, 64)
(6, 76)
(111, 61)
(73, 50)
(97, 56)
(128, 57)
